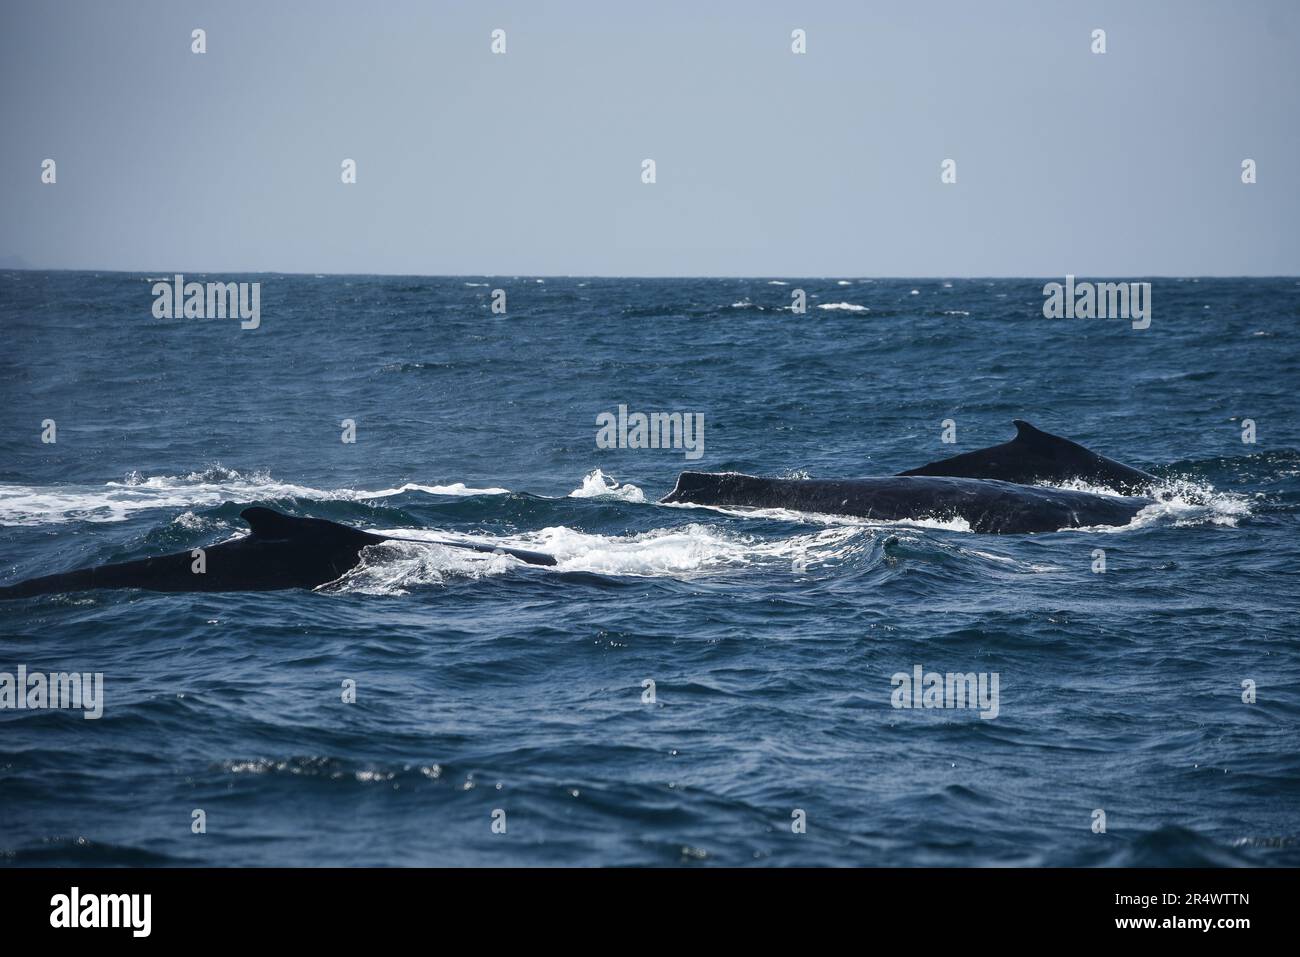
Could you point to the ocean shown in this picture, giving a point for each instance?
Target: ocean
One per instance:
(688, 686)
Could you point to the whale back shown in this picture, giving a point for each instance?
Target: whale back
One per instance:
(987, 505)
(281, 551)
(1034, 457)
(268, 525)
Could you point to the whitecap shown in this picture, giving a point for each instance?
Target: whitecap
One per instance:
(116, 501)
(395, 567)
(1177, 502)
(596, 484)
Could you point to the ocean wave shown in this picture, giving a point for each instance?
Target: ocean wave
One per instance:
(394, 567)
(843, 306)
(680, 551)
(459, 489)
(685, 551)
(214, 485)
(334, 769)
(1178, 502)
(596, 484)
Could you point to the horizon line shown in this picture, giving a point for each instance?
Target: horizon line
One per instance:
(766, 277)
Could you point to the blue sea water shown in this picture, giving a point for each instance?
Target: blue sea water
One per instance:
(485, 685)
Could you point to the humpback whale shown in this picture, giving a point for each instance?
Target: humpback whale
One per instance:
(992, 489)
(990, 506)
(282, 551)
(1035, 456)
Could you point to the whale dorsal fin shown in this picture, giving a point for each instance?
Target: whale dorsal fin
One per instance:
(1036, 456)
(1025, 430)
(1034, 437)
(268, 523)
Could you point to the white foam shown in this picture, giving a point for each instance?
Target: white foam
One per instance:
(955, 524)
(1007, 560)
(116, 501)
(680, 552)
(684, 550)
(845, 306)
(189, 521)
(596, 484)
(455, 488)
(1178, 502)
(393, 567)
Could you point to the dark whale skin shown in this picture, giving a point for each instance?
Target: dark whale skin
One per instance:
(988, 505)
(992, 489)
(283, 551)
(1035, 456)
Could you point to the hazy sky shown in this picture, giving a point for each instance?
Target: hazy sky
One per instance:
(768, 163)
